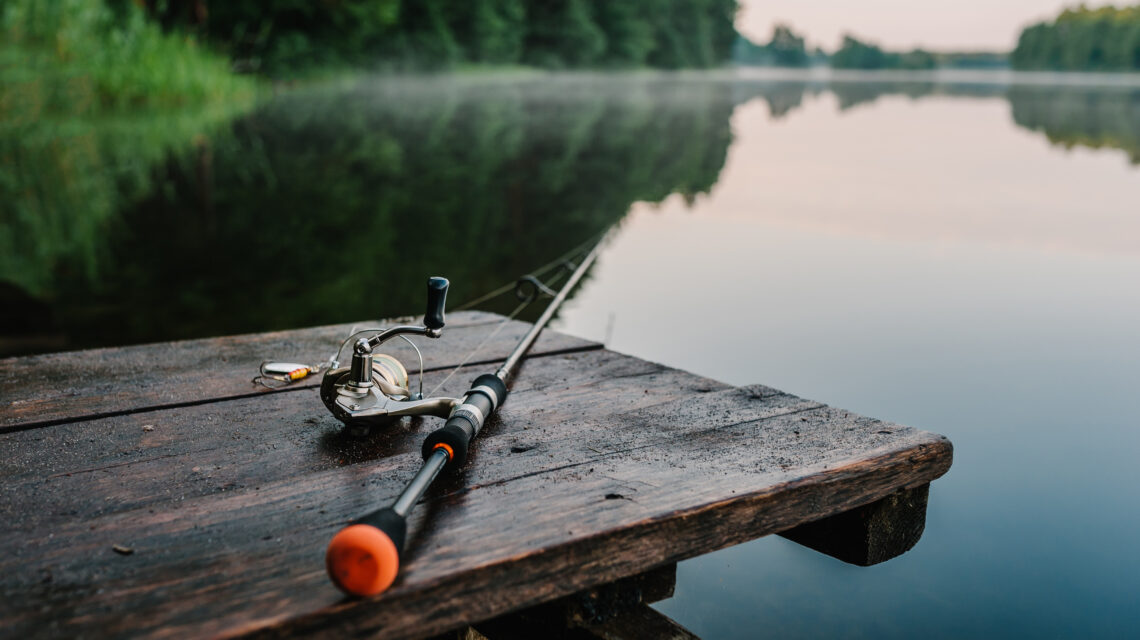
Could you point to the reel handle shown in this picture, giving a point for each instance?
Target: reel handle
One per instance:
(437, 298)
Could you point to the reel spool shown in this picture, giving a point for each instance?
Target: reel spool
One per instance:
(374, 390)
(387, 369)
(389, 377)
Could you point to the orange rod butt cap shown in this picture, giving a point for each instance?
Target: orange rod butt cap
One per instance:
(362, 560)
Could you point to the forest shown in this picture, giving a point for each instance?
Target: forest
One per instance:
(1082, 39)
(856, 54)
(419, 34)
(786, 48)
(1079, 39)
(73, 57)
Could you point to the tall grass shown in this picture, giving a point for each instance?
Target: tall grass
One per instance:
(93, 97)
(79, 56)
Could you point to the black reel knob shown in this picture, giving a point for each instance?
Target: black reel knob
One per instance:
(437, 298)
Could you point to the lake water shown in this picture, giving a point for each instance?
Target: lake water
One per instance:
(957, 253)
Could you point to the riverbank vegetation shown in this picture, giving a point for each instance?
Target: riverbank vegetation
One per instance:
(80, 56)
(788, 49)
(785, 49)
(76, 56)
(1082, 39)
(432, 34)
(856, 54)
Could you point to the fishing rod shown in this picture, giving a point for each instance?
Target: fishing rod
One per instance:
(363, 558)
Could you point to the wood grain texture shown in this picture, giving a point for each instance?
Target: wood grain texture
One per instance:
(61, 387)
(51, 475)
(599, 466)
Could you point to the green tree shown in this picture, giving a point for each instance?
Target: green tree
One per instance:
(562, 33)
(787, 48)
(629, 32)
(1082, 39)
(855, 54)
(497, 28)
(283, 35)
(916, 59)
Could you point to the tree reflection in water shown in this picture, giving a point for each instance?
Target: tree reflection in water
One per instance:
(333, 205)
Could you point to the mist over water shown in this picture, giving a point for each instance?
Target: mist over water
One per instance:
(958, 254)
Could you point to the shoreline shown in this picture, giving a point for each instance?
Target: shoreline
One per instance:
(999, 77)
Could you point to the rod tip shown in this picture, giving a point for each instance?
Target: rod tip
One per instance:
(362, 560)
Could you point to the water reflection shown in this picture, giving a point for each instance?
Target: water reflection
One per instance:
(1069, 115)
(320, 207)
(325, 206)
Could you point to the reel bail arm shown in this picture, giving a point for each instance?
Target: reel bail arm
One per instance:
(361, 368)
(373, 389)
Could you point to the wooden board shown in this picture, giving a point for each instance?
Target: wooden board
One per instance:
(599, 466)
(58, 387)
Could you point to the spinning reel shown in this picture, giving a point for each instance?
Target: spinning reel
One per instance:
(373, 390)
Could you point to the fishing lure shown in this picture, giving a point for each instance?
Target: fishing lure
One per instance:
(286, 372)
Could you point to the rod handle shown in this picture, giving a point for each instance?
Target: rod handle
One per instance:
(486, 394)
(363, 558)
(437, 298)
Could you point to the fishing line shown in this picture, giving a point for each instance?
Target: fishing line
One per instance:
(559, 261)
(540, 289)
(479, 346)
(285, 373)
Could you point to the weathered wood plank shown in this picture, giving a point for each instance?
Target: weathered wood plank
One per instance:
(92, 468)
(62, 387)
(579, 483)
(870, 534)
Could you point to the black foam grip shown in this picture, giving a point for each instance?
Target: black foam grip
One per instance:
(492, 381)
(390, 523)
(437, 298)
(465, 422)
(457, 434)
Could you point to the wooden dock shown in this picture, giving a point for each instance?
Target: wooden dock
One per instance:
(154, 491)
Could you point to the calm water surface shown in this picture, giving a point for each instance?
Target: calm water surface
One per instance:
(931, 262)
(961, 257)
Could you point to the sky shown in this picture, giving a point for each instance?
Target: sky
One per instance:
(901, 24)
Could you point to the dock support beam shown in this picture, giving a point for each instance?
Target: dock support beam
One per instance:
(616, 611)
(869, 534)
(620, 610)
